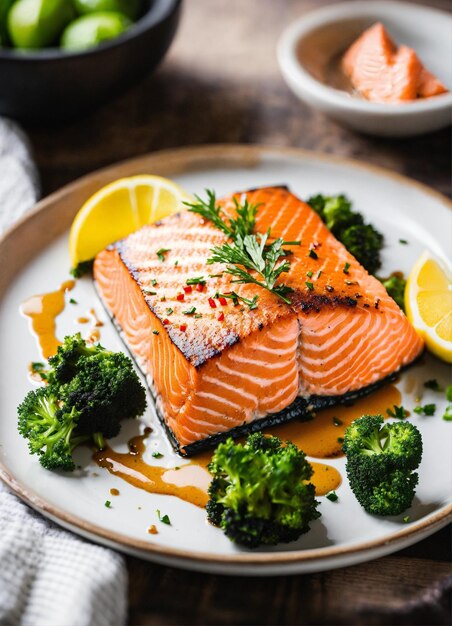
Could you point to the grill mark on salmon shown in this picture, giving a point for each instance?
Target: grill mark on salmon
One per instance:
(212, 377)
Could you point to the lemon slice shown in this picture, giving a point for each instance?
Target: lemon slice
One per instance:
(428, 303)
(119, 209)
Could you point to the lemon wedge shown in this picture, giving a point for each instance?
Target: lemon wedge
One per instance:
(428, 303)
(119, 209)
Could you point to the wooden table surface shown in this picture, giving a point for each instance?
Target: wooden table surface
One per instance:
(220, 83)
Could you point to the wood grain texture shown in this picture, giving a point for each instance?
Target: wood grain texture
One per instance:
(220, 84)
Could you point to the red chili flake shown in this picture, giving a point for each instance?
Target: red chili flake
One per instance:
(222, 301)
(200, 287)
(188, 289)
(183, 327)
(166, 321)
(180, 296)
(212, 303)
(221, 317)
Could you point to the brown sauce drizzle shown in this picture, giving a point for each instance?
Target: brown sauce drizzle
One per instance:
(319, 437)
(43, 309)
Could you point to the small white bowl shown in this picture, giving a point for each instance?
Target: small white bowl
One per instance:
(307, 47)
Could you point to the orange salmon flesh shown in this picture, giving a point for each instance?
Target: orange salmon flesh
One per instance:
(381, 72)
(227, 366)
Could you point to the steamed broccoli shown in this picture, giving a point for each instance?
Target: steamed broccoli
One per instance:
(381, 459)
(362, 240)
(259, 494)
(89, 391)
(395, 286)
(49, 429)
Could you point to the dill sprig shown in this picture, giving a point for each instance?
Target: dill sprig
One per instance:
(248, 252)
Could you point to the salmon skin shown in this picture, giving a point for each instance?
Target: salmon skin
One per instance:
(217, 368)
(381, 72)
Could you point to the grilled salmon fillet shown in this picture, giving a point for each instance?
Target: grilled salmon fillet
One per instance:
(384, 73)
(215, 366)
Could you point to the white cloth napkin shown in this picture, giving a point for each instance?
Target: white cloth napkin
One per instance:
(48, 577)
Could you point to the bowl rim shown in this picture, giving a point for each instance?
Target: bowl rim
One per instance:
(296, 74)
(158, 11)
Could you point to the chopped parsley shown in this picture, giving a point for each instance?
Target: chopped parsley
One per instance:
(72, 301)
(433, 384)
(449, 393)
(107, 503)
(161, 253)
(332, 496)
(313, 254)
(199, 280)
(309, 274)
(155, 332)
(398, 412)
(169, 310)
(403, 241)
(319, 274)
(164, 519)
(154, 282)
(309, 285)
(406, 519)
(427, 409)
(346, 268)
(250, 302)
(157, 455)
(150, 293)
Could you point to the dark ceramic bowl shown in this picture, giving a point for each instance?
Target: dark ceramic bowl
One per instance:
(51, 85)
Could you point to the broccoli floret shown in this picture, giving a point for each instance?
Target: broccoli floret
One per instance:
(362, 240)
(364, 243)
(49, 429)
(259, 492)
(395, 286)
(381, 459)
(89, 392)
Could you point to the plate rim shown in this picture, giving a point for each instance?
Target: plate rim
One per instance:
(202, 154)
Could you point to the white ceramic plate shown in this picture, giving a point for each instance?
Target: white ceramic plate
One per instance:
(34, 259)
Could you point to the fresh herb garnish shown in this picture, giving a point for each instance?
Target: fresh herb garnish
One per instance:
(337, 421)
(107, 503)
(150, 293)
(199, 280)
(164, 519)
(72, 301)
(346, 268)
(319, 274)
(332, 496)
(37, 366)
(169, 310)
(340, 440)
(427, 409)
(157, 455)
(309, 285)
(154, 282)
(190, 311)
(433, 384)
(449, 393)
(161, 253)
(313, 254)
(216, 275)
(250, 302)
(397, 412)
(309, 274)
(155, 332)
(406, 519)
(247, 252)
(403, 241)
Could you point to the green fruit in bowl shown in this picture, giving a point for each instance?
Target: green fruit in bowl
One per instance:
(38, 23)
(92, 29)
(5, 6)
(128, 7)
